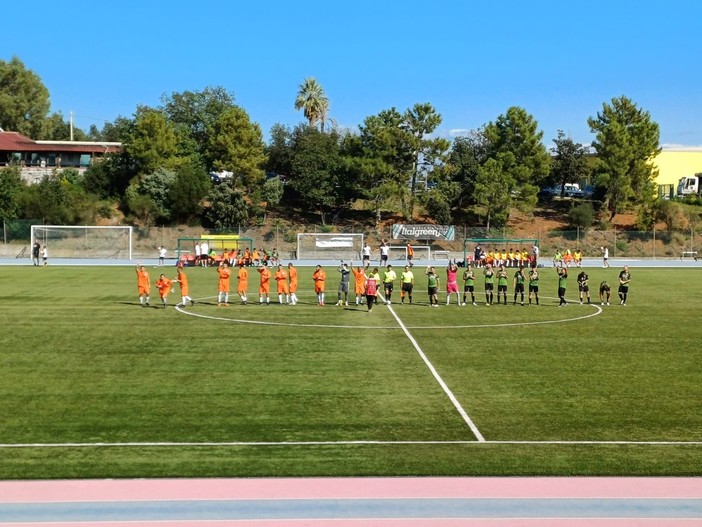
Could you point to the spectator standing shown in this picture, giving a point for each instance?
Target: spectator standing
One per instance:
(45, 255)
(161, 256)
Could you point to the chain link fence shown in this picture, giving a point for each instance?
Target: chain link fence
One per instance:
(283, 238)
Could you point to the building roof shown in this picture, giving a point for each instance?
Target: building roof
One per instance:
(16, 142)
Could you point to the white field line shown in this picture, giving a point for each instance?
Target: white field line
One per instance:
(167, 444)
(436, 375)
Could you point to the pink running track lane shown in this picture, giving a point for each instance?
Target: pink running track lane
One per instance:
(592, 491)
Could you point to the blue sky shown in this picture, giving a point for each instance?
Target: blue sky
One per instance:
(471, 59)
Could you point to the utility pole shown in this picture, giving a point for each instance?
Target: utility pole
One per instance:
(71, 124)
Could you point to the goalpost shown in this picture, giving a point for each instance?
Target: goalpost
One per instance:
(324, 246)
(501, 246)
(84, 241)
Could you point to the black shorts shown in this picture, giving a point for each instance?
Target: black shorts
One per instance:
(468, 288)
(384, 258)
(533, 288)
(623, 288)
(561, 291)
(519, 288)
(501, 288)
(432, 291)
(407, 288)
(584, 288)
(488, 287)
(388, 286)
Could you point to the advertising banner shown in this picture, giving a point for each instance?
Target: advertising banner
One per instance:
(400, 231)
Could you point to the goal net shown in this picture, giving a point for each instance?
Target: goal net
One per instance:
(399, 252)
(317, 246)
(511, 252)
(85, 241)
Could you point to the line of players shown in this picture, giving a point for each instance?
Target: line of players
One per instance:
(367, 283)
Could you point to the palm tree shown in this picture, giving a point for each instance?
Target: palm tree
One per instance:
(314, 103)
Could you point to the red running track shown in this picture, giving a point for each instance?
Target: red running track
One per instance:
(177, 490)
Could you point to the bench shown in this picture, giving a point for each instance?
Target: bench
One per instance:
(691, 254)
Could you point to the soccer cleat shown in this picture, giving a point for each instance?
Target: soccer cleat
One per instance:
(192, 302)
(475, 304)
(346, 303)
(462, 304)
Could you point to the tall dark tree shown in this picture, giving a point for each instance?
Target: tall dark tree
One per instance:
(419, 123)
(569, 164)
(186, 193)
(11, 185)
(626, 142)
(515, 142)
(24, 100)
(193, 114)
(316, 170)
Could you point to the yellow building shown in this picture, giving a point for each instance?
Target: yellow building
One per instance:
(674, 164)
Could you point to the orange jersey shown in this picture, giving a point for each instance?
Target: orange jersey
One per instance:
(265, 285)
(359, 277)
(143, 282)
(183, 281)
(292, 275)
(243, 278)
(319, 277)
(224, 274)
(164, 286)
(282, 278)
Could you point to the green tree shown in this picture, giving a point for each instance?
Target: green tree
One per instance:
(193, 114)
(187, 191)
(110, 178)
(56, 128)
(24, 100)
(313, 102)
(50, 199)
(515, 142)
(228, 208)
(278, 150)
(582, 216)
(11, 185)
(427, 152)
(492, 192)
(152, 143)
(466, 157)
(236, 144)
(569, 163)
(626, 142)
(316, 170)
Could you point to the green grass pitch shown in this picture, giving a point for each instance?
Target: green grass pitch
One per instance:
(95, 386)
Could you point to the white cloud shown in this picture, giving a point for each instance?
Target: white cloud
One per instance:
(681, 148)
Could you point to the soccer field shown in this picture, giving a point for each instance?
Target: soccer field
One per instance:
(95, 386)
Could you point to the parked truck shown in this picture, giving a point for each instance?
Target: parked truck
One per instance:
(690, 185)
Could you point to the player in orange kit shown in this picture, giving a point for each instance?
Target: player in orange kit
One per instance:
(281, 277)
(292, 277)
(264, 288)
(243, 277)
(164, 287)
(223, 285)
(359, 283)
(182, 279)
(319, 276)
(143, 284)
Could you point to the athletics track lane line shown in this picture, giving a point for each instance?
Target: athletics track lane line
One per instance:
(436, 375)
(659, 502)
